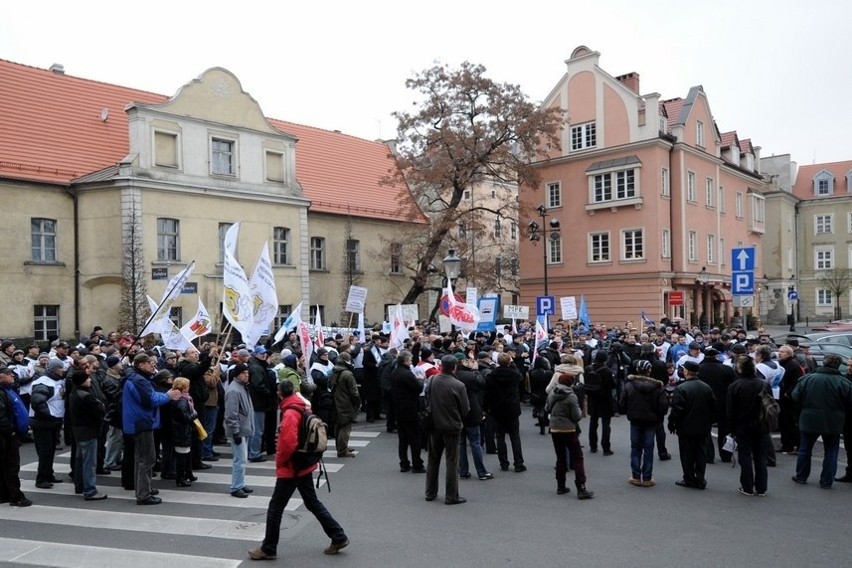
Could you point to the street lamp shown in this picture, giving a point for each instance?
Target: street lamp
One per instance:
(552, 233)
(452, 266)
(792, 299)
(701, 280)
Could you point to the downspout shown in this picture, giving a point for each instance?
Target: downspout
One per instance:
(73, 194)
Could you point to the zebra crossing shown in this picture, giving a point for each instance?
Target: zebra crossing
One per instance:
(205, 515)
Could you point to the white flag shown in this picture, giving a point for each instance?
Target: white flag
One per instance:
(170, 295)
(200, 324)
(230, 241)
(362, 339)
(306, 344)
(540, 335)
(320, 336)
(399, 333)
(293, 320)
(463, 316)
(236, 300)
(264, 297)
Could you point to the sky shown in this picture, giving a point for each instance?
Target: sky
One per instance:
(776, 71)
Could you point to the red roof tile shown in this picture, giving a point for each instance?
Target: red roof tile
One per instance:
(672, 108)
(728, 139)
(804, 186)
(745, 146)
(52, 131)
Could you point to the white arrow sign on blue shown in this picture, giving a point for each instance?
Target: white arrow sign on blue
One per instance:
(742, 258)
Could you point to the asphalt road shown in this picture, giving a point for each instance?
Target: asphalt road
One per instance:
(515, 519)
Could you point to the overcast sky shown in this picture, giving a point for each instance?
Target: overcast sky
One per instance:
(776, 71)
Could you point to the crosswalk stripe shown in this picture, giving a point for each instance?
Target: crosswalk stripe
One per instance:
(164, 524)
(222, 463)
(58, 555)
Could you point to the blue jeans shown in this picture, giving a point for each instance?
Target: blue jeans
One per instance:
(209, 424)
(284, 488)
(831, 447)
(475, 449)
(238, 468)
(86, 466)
(255, 442)
(642, 450)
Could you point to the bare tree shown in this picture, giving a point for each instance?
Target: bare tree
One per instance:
(838, 281)
(134, 310)
(351, 266)
(468, 130)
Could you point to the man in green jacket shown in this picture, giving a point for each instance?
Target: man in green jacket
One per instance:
(347, 402)
(825, 397)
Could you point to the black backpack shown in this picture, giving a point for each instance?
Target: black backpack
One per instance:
(767, 416)
(312, 444)
(592, 380)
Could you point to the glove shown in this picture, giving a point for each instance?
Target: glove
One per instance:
(238, 440)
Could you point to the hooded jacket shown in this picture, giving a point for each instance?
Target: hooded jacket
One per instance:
(643, 400)
(288, 438)
(564, 409)
(575, 370)
(140, 404)
(347, 401)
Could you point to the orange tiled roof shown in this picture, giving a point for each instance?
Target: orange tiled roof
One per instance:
(745, 146)
(672, 108)
(804, 186)
(728, 139)
(51, 131)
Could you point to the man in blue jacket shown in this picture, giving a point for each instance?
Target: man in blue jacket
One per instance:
(140, 405)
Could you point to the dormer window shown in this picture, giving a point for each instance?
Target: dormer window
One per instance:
(823, 184)
(849, 182)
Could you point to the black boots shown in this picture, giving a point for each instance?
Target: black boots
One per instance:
(582, 492)
(560, 487)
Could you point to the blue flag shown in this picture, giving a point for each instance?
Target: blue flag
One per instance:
(583, 314)
(646, 322)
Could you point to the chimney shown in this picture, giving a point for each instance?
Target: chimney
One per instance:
(58, 68)
(630, 80)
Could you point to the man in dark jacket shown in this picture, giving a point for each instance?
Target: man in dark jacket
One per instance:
(347, 402)
(263, 400)
(449, 405)
(648, 352)
(192, 366)
(503, 404)
(87, 418)
(788, 418)
(693, 406)
(474, 384)
(743, 407)
(405, 399)
(644, 402)
(10, 444)
(825, 397)
(599, 389)
(718, 377)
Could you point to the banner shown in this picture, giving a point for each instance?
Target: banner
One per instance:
(362, 336)
(164, 309)
(320, 337)
(293, 320)
(306, 343)
(236, 300)
(569, 308)
(399, 332)
(356, 300)
(463, 316)
(487, 313)
(199, 325)
(264, 297)
(540, 335)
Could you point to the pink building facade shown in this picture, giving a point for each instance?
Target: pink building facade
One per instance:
(650, 198)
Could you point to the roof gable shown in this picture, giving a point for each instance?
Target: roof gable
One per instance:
(804, 184)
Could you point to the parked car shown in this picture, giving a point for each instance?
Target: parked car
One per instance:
(842, 338)
(837, 325)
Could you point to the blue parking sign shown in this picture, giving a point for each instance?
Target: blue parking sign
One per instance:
(742, 283)
(545, 305)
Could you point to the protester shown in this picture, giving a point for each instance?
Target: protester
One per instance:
(10, 444)
(565, 415)
(47, 412)
(405, 398)
(239, 425)
(693, 407)
(503, 404)
(347, 402)
(182, 416)
(86, 413)
(743, 408)
(644, 402)
(468, 373)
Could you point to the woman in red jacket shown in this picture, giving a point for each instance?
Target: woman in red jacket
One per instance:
(291, 479)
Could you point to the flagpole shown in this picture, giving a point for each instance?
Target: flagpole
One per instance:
(166, 297)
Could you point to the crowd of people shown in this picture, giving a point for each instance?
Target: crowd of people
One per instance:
(129, 406)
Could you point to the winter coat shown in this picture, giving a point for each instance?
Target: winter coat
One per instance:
(347, 401)
(601, 402)
(183, 414)
(47, 407)
(719, 377)
(140, 404)
(743, 405)
(643, 400)
(261, 386)
(825, 397)
(111, 387)
(238, 419)
(502, 397)
(87, 414)
(539, 378)
(322, 402)
(405, 394)
(195, 373)
(693, 407)
(288, 438)
(449, 403)
(474, 384)
(575, 370)
(564, 409)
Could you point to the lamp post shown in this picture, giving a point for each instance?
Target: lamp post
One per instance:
(702, 279)
(792, 298)
(452, 268)
(552, 233)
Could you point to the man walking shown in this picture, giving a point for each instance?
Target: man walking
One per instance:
(238, 423)
(141, 416)
(347, 403)
(291, 477)
(825, 397)
(447, 399)
(693, 406)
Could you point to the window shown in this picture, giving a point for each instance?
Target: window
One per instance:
(632, 245)
(462, 230)
(699, 133)
(165, 149)
(554, 250)
(284, 312)
(395, 258)
(168, 240)
(711, 249)
(466, 195)
(823, 297)
(599, 247)
(176, 315)
(666, 244)
(513, 229)
(625, 186)
(274, 166)
(353, 255)
(849, 224)
(280, 245)
(313, 313)
(758, 211)
(824, 183)
(222, 157)
(554, 195)
(498, 229)
(690, 187)
(738, 205)
(317, 253)
(665, 191)
(822, 225)
(498, 267)
(692, 243)
(724, 253)
(664, 124)
(223, 230)
(721, 199)
(583, 136)
(710, 193)
(514, 265)
(823, 258)
(45, 322)
(823, 187)
(43, 233)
